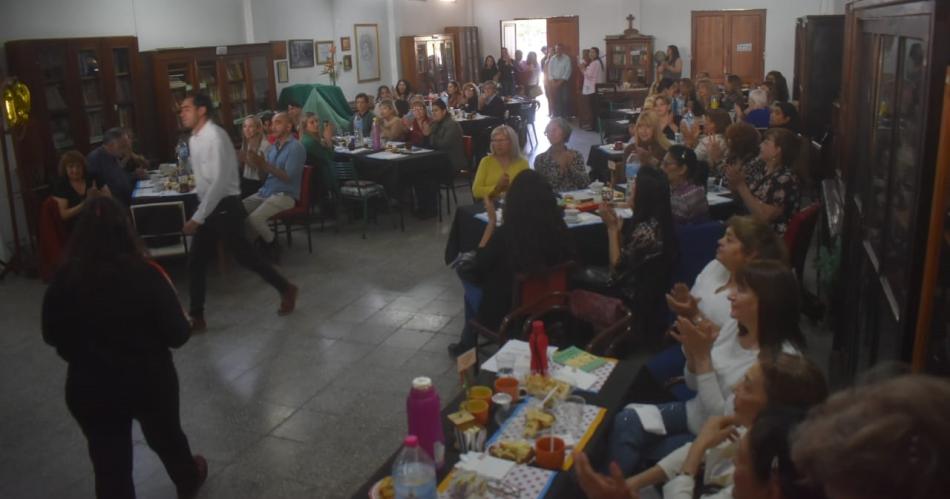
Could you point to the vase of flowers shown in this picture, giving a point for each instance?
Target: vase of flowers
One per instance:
(329, 68)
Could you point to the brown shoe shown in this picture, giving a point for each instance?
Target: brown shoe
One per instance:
(288, 300)
(198, 325)
(202, 465)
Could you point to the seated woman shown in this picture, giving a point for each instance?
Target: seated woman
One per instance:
(645, 239)
(770, 191)
(319, 146)
(785, 115)
(534, 237)
(887, 439)
(445, 134)
(765, 311)
(647, 144)
(390, 126)
(453, 95)
(789, 382)
(687, 191)
(402, 95)
(252, 140)
(757, 114)
(714, 128)
(497, 170)
(471, 94)
(562, 167)
(383, 93)
(662, 107)
(705, 91)
(416, 121)
(73, 188)
(120, 366)
(742, 148)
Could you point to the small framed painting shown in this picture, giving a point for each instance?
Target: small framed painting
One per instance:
(301, 53)
(323, 51)
(367, 52)
(345, 43)
(282, 72)
(347, 62)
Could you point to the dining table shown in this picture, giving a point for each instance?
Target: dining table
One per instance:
(148, 191)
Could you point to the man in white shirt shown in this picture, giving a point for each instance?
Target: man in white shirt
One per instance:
(220, 214)
(559, 73)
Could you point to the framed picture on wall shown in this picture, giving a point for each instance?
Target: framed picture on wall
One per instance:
(282, 72)
(347, 62)
(345, 43)
(323, 51)
(367, 52)
(301, 53)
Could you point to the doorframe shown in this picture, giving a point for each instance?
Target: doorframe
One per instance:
(727, 55)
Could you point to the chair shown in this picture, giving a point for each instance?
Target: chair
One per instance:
(530, 289)
(696, 245)
(302, 212)
(798, 236)
(51, 238)
(346, 185)
(467, 174)
(159, 225)
(529, 111)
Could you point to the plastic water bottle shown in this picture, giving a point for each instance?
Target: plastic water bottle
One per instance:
(678, 138)
(689, 118)
(631, 169)
(183, 153)
(414, 472)
(425, 422)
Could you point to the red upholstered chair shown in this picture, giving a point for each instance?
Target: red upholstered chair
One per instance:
(51, 236)
(301, 214)
(798, 236)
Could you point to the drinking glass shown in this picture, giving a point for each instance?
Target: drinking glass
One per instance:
(506, 364)
(570, 417)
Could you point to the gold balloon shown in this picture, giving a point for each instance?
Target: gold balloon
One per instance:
(16, 104)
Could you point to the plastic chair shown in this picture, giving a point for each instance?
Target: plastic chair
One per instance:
(159, 225)
(346, 185)
(301, 214)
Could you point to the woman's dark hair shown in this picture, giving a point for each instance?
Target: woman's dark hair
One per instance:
(453, 82)
(791, 112)
(770, 451)
(776, 288)
(793, 381)
(538, 236)
(742, 139)
(102, 242)
(685, 156)
(780, 87)
(487, 57)
(408, 89)
(652, 200)
(758, 237)
(379, 91)
(439, 103)
(720, 118)
(675, 53)
(72, 157)
(787, 142)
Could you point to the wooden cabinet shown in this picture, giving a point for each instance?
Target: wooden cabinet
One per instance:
(239, 83)
(819, 45)
(467, 54)
(80, 87)
(893, 73)
(630, 58)
(428, 62)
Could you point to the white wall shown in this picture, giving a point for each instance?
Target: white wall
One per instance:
(295, 19)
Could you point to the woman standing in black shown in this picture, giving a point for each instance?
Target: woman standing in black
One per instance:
(113, 314)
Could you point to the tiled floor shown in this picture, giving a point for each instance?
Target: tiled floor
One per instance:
(307, 405)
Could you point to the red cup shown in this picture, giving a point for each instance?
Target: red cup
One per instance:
(507, 385)
(549, 453)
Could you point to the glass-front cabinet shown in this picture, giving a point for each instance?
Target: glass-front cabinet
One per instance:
(428, 62)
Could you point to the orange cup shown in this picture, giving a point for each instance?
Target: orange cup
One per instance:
(508, 385)
(549, 453)
(479, 409)
(480, 392)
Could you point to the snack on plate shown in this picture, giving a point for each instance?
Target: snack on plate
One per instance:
(535, 421)
(518, 451)
(538, 386)
(386, 489)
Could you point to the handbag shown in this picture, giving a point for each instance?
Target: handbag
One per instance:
(465, 266)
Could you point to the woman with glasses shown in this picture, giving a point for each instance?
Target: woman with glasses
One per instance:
(561, 166)
(687, 194)
(497, 170)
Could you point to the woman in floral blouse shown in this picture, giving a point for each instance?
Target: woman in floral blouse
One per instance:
(562, 167)
(770, 189)
(687, 192)
(647, 238)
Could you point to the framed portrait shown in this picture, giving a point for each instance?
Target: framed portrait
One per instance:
(367, 52)
(323, 51)
(282, 72)
(301, 53)
(347, 62)
(345, 43)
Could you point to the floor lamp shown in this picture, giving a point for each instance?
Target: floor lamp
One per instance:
(16, 111)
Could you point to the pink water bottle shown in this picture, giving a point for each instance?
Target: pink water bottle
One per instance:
(425, 422)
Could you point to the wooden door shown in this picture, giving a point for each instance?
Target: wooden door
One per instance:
(729, 42)
(564, 30)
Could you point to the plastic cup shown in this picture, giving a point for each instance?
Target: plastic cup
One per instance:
(480, 392)
(506, 364)
(549, 453)
(507, 385)
(477, 408)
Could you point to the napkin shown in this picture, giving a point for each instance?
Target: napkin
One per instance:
(575, 377)
(521, 351)
(650, 418)
(485, 465)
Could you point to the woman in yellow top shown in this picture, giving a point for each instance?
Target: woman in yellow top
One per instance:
(498, 169)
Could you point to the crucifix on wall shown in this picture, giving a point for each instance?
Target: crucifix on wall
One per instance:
(630, 29)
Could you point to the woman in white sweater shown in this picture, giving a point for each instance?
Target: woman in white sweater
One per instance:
(765, 312)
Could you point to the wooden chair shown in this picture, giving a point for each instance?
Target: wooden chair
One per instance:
(301, 214)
